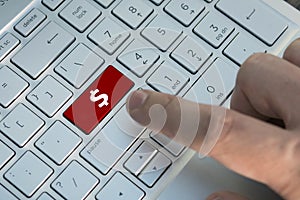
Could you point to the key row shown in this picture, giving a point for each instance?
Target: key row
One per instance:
(166, 78)
(77, 67)
(81, 14)
(29, 173)
(109, 36)
(22, 119)
(250, 15)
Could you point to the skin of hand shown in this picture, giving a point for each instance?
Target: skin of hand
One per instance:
(260, 134)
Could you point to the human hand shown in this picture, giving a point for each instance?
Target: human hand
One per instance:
(258, 138)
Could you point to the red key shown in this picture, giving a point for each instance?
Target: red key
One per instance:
(98, 99)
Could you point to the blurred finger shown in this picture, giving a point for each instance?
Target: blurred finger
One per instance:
(226, 196)
(267, 87)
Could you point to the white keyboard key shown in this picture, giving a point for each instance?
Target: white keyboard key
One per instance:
(167, 143)
(6, 154)
(132, 12)
(11, 86)
(7, 43)
(120, 187)
(80, 14)
(155, 169)
(96, 153)
(105, 3)
(30, 22)
(214, 29)
(5, 194)
(157, 2)
(58, 142)
(168, 79)
(52, 4)
(20, 125)
(256, 17)
(79, 65)
(114, 138)
(138, 58)
(191, 55)
(162, 32)
(49, 96)
(109, 35)
(140, 158)
(242, 46)
(215, 84)
(45, 196)
(75, 182)
(45, 47)
(28, 173)
(185, 11)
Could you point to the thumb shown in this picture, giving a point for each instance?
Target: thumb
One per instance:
(225, 196)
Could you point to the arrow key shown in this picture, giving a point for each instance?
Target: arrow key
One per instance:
(140, 158)
(155, 169)
(120, 187)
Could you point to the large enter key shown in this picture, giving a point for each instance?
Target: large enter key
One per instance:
(98, 99)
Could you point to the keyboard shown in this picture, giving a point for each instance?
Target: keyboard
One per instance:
(67, 67)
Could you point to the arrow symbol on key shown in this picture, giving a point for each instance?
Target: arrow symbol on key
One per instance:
(50, 41)
(249, 16)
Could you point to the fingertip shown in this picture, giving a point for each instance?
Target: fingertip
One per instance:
(135, 105)
(136, 100)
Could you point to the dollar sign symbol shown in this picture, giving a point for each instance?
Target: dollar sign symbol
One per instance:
(103, 97)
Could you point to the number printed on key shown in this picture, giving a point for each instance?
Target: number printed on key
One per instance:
(132, 12)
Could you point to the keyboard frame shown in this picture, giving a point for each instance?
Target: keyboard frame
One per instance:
(178, 164)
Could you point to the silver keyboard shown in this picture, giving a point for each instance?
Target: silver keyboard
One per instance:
(67, 67)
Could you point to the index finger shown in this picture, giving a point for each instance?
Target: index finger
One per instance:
(236, 140)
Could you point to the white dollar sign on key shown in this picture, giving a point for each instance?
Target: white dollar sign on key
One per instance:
(103, 97)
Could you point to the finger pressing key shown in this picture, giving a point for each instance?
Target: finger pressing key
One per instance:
(242, 143)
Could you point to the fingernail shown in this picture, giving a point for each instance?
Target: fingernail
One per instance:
(136, 100)
(215, 196)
